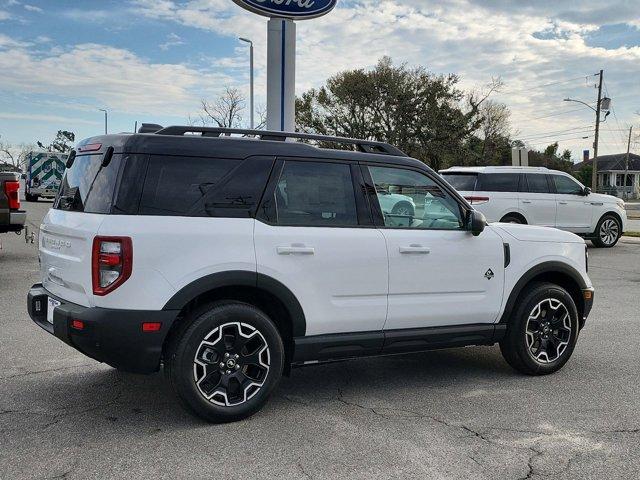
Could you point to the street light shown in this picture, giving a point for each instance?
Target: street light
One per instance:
(246, 40)
(105, 119)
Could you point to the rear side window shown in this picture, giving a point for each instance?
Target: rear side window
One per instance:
(537, 183)
(498, 182)
(315, 194)
(463, 182)
(175, 185)
(87, 186)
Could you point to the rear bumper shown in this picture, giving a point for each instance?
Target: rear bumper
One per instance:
(111, 336)
(16, 223)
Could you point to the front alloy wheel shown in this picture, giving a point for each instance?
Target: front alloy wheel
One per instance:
(542, 330)
(608, 232)
(548, 330)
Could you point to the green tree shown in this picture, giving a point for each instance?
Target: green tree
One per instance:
(425, 115)
(62, 143)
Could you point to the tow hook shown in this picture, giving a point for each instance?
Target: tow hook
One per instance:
(28, 237)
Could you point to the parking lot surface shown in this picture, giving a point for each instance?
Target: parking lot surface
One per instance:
(460, 413)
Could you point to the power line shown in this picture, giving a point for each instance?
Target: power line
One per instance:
(555, 132)
(558, 135)
(563, 140)
(556, 114)
(544, 85)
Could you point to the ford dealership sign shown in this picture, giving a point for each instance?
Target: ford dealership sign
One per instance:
(294, 9)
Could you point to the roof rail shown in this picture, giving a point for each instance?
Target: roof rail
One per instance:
(367, 146)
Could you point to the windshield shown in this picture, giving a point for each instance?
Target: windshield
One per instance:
(463, 182)
(88, 186)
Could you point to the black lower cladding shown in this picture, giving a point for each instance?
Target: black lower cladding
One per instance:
(108, 335)
(365, 344)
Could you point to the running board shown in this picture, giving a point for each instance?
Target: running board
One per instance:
(339, 346)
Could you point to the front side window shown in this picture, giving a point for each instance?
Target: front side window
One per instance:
(315, 194)
(537, 183)
(410, 199)
(567, 186)
(498, 182)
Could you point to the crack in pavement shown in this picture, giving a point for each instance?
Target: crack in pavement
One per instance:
(36, 372)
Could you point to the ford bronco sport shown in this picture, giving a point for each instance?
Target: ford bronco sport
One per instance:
(230, 259)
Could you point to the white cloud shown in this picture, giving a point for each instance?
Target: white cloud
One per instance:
(4, 15)
(107, 76)
(173, 40)
(47, 118)
(32, 8)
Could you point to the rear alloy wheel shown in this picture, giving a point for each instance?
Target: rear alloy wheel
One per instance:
(608, 232)
(542, 331)
(227, 362)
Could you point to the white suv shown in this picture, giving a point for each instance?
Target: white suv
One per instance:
(538, 196)
(229, 260)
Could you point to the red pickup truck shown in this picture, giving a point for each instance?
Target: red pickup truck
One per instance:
(11, 217)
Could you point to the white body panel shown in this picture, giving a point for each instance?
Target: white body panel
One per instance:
(437, 277)
(341, 279)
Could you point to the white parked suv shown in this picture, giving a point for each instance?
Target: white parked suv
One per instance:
(538, 196)
(228, 260)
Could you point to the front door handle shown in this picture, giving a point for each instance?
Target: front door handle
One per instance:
(295, 249)
(526, 201)
(562, 203)
(415, 248)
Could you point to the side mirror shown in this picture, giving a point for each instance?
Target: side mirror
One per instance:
(476, 223)
(586, 191)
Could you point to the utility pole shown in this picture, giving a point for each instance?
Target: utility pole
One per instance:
(594, 173)
(626, 165)
(105, 119)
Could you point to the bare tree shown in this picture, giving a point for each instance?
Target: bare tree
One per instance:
(225, 111)
(14, 156)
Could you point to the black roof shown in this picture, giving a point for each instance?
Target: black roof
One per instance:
(612, 162)
(173, 141)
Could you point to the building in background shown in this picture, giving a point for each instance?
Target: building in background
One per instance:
(611, 171)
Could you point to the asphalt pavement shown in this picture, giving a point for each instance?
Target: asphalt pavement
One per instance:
(454, 414)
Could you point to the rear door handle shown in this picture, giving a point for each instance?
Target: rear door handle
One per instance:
(526, 201)
(295, 249)
(415, 248)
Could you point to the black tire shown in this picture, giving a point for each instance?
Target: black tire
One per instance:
(220, 321)
(608, 232)
(524, 351)
(512, 219)
(31, 198)
(403, 208)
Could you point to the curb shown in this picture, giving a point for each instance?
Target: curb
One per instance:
(633, 240)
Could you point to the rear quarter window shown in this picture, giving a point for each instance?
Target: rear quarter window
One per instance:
(498, 182)
(463, 182)
(203, 186)
(87, 186)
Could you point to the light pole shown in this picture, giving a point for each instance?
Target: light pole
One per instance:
(601, 104)
(246, 40)
(105, 119)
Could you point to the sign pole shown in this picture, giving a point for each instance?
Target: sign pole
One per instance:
(281, 74)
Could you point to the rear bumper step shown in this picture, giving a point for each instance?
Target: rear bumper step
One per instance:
(111, 336)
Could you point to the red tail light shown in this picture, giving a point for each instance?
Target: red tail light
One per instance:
(11, 188)
(477, 200)
(111, 263)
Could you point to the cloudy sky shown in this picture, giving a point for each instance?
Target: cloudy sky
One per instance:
(153, 60)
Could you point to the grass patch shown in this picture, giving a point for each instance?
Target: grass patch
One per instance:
(632, 234)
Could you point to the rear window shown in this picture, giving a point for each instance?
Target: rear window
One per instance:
(463, 182)
(87, 186)
(498, 182)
